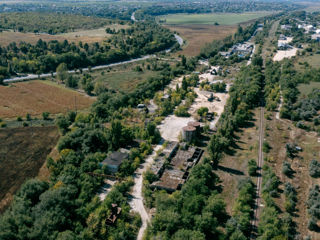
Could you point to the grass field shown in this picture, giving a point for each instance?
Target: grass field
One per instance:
(23, 151)
(305, 89)
(278, 134)
(234, 166)
(220, 18)
(88, 36)
(196, 36)
(312, 60)
(123, 78)
(35, 97)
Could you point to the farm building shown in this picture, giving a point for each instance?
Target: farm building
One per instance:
(242, 49)
(283, 46)
(286, 27)
(114, 160)
(177, 174)
(315, 37)
(168, 152)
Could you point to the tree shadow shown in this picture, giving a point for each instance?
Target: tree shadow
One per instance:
(230, 170)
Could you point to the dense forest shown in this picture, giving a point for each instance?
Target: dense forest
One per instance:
(51, 23)
(44, 57)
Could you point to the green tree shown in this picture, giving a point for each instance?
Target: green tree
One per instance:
(62, 72)
(62, 123)
(45, 115)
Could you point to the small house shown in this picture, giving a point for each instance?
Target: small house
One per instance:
(114, 160)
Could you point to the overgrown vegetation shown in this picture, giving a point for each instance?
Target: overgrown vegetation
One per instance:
(51, 23)
(313, 205)
(44, 57)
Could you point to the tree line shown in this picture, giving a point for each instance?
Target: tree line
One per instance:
(43, 57)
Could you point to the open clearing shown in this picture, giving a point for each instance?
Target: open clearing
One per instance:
(282, 54)
(220, 18)
(305, 89)
(123, 77)
(88, 36)
(22, 153)
(36, 97)
(312, 60)
(196, 36)
(278, 134)
(234, 165)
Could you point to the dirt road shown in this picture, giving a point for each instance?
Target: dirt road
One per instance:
(136, 202)
(258, 204)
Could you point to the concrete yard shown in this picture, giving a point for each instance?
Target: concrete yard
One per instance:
(170, 128)
(281, 54)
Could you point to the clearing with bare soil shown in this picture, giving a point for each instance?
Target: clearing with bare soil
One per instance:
(36, 97)
(23, 152)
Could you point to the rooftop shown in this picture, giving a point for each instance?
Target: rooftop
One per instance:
(115, 158)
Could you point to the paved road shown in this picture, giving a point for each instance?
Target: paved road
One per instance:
(257, 210)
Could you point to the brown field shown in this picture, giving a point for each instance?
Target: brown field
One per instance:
(234, 166)
(36, 97)
(88, 36)
(23, 152)
(196, 36)
(280, 132)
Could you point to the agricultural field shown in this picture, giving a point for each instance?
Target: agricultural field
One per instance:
(36, 97)
(305, 89)
(23, 152)
(196, 36)
(88, 36)
(214, 18)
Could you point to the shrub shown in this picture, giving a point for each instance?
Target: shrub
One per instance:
(19, 119)
(266, 147)
(252, 165)
(291, 150)
(45, 115)
(286, 169)
(182, 111)
(28, 117)
(314, 169)
(25, 124)
(3, 124)
(202, 111)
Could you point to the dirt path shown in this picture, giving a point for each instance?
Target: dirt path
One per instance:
(279, 108)
(136, 202)
(258, 204)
